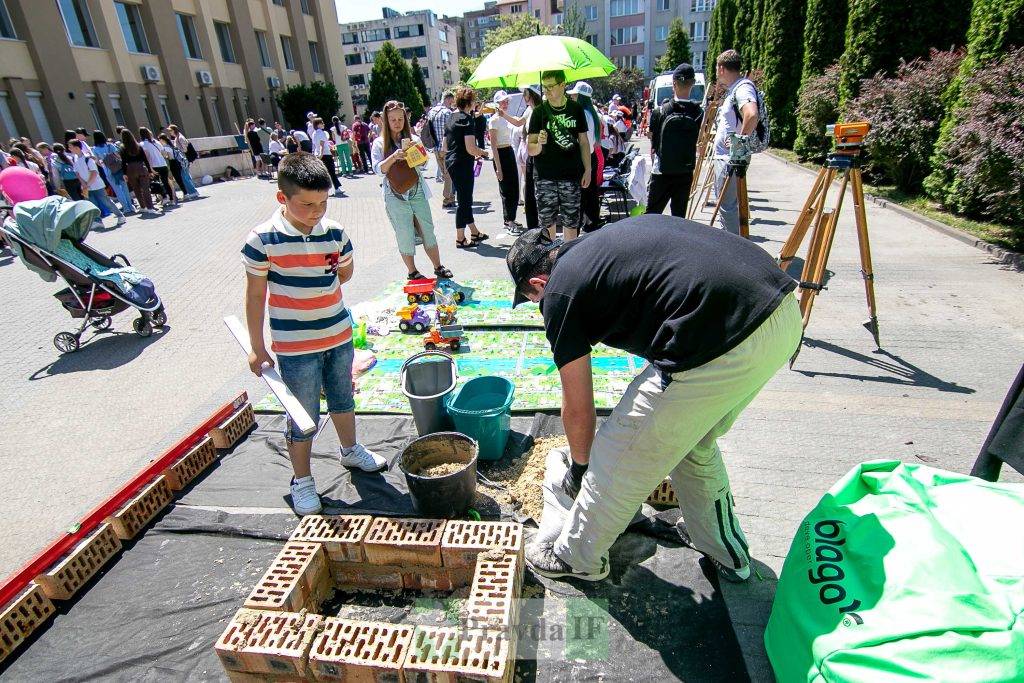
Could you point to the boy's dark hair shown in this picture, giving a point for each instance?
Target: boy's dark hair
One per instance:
(80, 131)
(262, 122)
(302, 171)
(557, 74)
(730, 61)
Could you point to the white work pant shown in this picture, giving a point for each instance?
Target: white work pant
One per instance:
(657, 431)
(729, 211)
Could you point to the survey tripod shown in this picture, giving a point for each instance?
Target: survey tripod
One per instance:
(845, 162)
(704, 168)
(739, 162)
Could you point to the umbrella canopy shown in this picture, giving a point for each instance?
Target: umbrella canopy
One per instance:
(521, 62)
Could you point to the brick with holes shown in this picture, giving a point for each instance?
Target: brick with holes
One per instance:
(227, 433)
(493, 601)
(264, 642)
(663, 496)
(404, 541)
(426, 578)
(21, 617)
(141, 508)
(364, 576)
(453, 655)
(189, 466)
(64, 578)
(360, 651)
(297, 579)
(340, 535)
(463, 540)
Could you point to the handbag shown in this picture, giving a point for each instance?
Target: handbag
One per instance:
(402, 177)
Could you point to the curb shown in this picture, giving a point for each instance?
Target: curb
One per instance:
(1003, 256)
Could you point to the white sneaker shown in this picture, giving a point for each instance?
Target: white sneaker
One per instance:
(121, 221)
(97, 224)
(151, 212)
(305, 500)
(366, 460)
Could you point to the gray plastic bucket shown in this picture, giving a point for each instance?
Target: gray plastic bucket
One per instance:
(426, 380)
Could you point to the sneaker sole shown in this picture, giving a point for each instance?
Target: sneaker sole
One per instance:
(572, 575)
(356, 467)
(303, 513)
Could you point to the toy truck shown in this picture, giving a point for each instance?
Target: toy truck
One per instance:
(450, 335)
(449, 291)
(412, 318)
(421, 291)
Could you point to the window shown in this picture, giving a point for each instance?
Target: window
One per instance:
(279, 3)
(90, 100)
(660, 33)
(6, 117)
(262, 49)
(189, 40)
(115, 104)
(665, 5)
(131, 26)
(349, 38)
(368, 57)
(702, 5)
(621, 8)
(352, 60)
(536, 14)
(698, 30)
(357, 80)
(627, 35)
(78, 23)
(6, 27)
(444, 57)
(409, 31)
(410, 52)
(442, 35)
(516, 9)
(376, 34)
(592, 39)
(148, 117)
(628, 60)
(425, 71)
(314, 57)
(304, 5)
(698, 60)
(556, 19)
(289, 57)
(35, 105)
(590, 12)
(227, 52)
(164, 111)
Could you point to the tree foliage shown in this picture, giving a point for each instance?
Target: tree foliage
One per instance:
(677, 50)
(628, 82)
(420, 83)
(824, 35)
(574, 24)
(513, 27)
(744, 29)
(392, 79)
(319, 96)
(782, 24)
(818, 107)
(721, 34)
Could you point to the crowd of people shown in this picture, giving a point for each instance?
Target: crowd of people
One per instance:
(128, 173)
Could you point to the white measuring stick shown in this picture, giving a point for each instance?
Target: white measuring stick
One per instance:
(272, 377)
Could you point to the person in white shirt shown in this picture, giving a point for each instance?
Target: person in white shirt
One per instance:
(181, 143)
(324, 148)
(499, 134)
(310, 126)
(532, 97)
(89, 174)
(304, 140)
(737, 115)
(340, 135)
(276, 149)
(155, 156)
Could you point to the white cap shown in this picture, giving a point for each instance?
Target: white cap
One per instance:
(581, 88)
(535, 89)
(310, 114)
(500, 97)
(616, 96)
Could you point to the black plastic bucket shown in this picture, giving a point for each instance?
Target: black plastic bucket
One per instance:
(447, 496)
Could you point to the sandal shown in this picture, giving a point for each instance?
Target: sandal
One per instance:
(478, 237)
(464, 243)
(416, 275)
(443, 272)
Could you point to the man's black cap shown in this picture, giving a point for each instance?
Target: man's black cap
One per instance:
(531, 247)
(683, 72)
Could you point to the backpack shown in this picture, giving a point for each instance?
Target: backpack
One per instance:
(190, 153)
(112, 160)
(427, 136)
(677, 139)
(762, 134)
(67, 171)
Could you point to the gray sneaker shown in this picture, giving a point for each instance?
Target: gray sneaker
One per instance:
(728, 573)
(541, 558)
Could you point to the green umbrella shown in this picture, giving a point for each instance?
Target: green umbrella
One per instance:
(521, 62)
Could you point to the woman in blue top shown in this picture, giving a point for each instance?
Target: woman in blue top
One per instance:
(109, 157)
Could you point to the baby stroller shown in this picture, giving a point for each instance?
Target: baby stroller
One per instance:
(48, 235)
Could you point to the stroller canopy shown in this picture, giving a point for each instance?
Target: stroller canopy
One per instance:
(42, 222)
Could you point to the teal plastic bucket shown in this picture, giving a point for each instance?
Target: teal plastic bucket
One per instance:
(482, 410)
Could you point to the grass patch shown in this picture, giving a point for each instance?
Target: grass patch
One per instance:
(994, 233)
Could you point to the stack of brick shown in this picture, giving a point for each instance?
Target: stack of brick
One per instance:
(382, 554)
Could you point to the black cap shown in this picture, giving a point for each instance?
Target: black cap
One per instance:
(683, 72)
(531, 247)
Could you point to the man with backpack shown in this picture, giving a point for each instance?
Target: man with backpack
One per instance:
(432, 135)
(742, 115)
(675, 127)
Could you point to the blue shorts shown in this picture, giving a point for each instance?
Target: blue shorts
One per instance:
(305, 374)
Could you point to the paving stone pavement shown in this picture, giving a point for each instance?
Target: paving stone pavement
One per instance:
(952, 329)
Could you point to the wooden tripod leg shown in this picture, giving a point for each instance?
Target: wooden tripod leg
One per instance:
(811, 262)
(824, 250)
(744, 206)
(718, 204)
(808, 215)
(705, 190)
(865, 253)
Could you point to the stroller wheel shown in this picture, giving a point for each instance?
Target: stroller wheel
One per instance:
(66, 342)
(142, 327)
(101, 323)
(159, 317)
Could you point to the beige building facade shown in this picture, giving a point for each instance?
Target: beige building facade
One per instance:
(205, 65)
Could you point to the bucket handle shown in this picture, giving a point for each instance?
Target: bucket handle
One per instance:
(408, 361)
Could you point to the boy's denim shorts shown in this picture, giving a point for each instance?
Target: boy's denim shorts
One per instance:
(306, 373)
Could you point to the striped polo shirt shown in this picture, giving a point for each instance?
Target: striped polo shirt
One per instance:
(307, 313)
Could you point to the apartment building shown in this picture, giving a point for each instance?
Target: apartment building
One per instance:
(476, 24)
(206, 65)
(420, 34)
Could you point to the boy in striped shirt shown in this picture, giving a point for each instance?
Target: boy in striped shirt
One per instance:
(302, 259)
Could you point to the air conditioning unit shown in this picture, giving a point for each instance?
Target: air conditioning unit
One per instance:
(273, 82)
(150, 73)
(204, 77)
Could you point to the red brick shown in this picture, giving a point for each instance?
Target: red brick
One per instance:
(63, 579)
(275, 643)
(297, 579)
(359, 651)
(454, 655)
(493, 601)
(426, 578)
(663, 495)
(404, 541)
(189, 466)
(143, 507)
(241, 677)
(227, 433)
(460, 576)
(463, 541)
(21, 617)
(340, 535)
(364, 576)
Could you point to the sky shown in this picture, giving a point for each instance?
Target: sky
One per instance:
(363, 10)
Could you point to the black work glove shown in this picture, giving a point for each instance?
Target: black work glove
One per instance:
(573, 479)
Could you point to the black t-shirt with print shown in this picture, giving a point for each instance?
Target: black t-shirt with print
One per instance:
(560, 157)
(460, 124)
(672, 291)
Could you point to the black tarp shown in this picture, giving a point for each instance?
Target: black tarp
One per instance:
(156, 611)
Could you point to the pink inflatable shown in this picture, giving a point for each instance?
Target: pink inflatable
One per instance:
(19, 184)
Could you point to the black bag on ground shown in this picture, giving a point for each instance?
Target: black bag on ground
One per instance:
(677, 139)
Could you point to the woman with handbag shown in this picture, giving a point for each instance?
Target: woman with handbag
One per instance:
(405, 194)
(137, 171)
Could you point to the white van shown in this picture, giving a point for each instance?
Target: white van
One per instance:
(660, 89)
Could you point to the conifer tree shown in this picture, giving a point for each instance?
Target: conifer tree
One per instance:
(391, 79)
